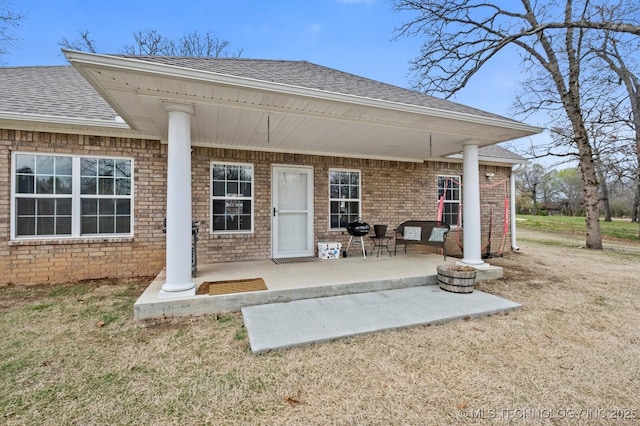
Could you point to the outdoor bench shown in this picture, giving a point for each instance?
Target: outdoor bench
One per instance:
(424, 232)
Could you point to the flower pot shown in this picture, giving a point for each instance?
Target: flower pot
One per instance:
(456, 278)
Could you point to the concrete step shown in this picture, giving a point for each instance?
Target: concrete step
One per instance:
(302, 322)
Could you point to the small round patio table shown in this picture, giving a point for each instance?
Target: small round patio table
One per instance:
(379, 242)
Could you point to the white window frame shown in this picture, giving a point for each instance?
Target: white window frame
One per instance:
(345, 199)
(230, 197)
(457, 202)
(75, 196)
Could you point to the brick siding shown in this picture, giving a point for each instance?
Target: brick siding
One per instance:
(392, 192)
(64, 260)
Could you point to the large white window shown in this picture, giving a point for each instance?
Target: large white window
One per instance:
(232, 197)
(71, 196)
(449, 198)
(344, 197)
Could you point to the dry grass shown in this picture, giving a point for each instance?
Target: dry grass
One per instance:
(73, 355)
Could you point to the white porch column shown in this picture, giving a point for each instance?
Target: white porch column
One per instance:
(178, 263)
(471, 207)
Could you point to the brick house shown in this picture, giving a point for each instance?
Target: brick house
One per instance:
(269, 156)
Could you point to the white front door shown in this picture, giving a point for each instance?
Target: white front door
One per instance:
(291, 211)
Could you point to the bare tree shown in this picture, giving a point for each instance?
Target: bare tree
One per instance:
(84, 43)
(619, 55)
(570, 189)
(530, 178)
(207, 45)
(606, 131)
(149, 42)
(610, 158)
(8, 19)
(463, 35)
(153, 43)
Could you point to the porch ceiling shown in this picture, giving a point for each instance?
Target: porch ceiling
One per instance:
(242, 113)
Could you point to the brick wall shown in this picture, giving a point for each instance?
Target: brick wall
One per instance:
(392, 193)
(55, 260)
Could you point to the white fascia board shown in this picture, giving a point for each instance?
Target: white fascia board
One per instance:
(56, 124)
(208, 76)
(490, 159)
(302, 152)
(65, 121)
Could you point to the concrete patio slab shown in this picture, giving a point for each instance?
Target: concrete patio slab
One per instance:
(298, 281)
(302, 322)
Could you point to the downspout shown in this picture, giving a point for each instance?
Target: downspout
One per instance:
(512, 193)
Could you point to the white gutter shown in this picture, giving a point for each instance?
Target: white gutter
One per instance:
(318, 153)
(65, 121)
(512, 190)
(70, 125)
(250, 83)
(484, 159)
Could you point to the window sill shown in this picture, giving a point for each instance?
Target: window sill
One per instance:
(69, 241)
(224, 235)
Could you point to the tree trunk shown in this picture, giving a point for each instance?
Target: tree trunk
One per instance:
(591, 198)
(534, 195)
(604, 192)
(635, 208)
(605, 205)
(571, 101)
(588, 174)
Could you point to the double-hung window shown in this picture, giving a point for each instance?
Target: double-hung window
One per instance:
(105, 196)
(344, 197)
(449, 194)
(71, 196)
(232, 198)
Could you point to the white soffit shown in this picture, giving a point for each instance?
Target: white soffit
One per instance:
(249, 114)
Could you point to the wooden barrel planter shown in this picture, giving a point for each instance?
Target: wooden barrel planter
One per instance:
(456, 278)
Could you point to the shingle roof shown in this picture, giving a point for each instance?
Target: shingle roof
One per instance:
(61, 91)
(58, 91)
(496, 151)
(309, 75)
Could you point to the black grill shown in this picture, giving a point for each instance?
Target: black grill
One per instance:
(358, 229)
(194, 244)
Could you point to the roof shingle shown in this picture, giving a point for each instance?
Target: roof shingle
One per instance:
(58, 91)
(308, 75)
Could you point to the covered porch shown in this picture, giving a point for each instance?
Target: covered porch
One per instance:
(298, 281)
(292, 108)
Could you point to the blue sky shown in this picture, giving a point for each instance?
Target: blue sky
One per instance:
(349, 35)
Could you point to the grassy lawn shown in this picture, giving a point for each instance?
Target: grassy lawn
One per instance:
(72, 354)
(617, 229)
